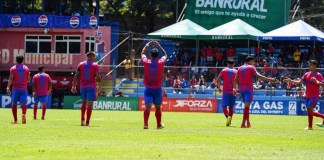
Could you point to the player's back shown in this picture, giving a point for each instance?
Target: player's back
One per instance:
(228, 75)
(41, 81)
(88, 70)
(312, 89)
(153, 69)
(246, 74)
(20, 76)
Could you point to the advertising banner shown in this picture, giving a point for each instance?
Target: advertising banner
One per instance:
(104, 103)
(302, 108)
(6, 101)
(185, 105)
(47, 21)
(264, 15)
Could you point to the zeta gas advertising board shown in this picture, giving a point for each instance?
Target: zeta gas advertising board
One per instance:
(264, 15)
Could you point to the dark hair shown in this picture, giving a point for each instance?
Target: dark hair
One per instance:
(20, 59)
(154, 53)
(40, 68)
(248, 59)
(314, 62)
(230, 62)
(90, 53)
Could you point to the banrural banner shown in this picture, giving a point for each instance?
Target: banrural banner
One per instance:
(264, 15)
(104, 103)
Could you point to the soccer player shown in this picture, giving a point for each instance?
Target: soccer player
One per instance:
(19, 77)
(228, 100)
(244, 81)
(312, 79)
(88, 73)
(42, 87)
(153, 70)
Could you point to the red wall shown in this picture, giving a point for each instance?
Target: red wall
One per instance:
(12, 43)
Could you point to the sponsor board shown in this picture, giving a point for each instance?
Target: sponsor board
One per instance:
(42, 20)
(6, 101)
(15, 21)
(103, 103)
(185, 104)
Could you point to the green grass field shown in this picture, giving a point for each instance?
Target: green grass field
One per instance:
(119, 135)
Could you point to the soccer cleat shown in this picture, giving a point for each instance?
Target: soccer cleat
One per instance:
(320, 124)
(82, 122)
(145, 127)
(248, 125)
(43, 118)
(14, 122)
(34, 118)
(243, 126)
(228, 121)
(160, 126)
(87, 124)
(308, 128)
(23, 119)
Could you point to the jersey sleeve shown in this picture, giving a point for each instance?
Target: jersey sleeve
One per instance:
(162, 59)
(79, 66)
(221, 74)
(96, 68)
(253, 70)
(304, 78)
(11, 71)
(49, 79)
(34, 79)
(320, 77)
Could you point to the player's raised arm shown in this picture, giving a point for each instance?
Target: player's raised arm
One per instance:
(264, 78)
(160, 47)
(74, 82)
(145, 48)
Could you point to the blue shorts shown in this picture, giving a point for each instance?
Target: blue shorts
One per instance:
(19, 95)
(228, 100)
(88, 94)
(247, 96)
(153, 96)
(42, 99)
(311, 101)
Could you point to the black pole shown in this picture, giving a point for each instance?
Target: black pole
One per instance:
(97, 8)
(33, 6)
(84, 7)
(0, 6)
(60, 4)
(43, 7)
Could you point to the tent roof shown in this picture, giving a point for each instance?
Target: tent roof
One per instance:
(185, 29)
(236, 29)
(297, 31)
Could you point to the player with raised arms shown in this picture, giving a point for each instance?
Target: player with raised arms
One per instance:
(153, 73)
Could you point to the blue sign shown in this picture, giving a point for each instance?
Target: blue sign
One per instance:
(48, 21)
(275, 107)
(5, 101)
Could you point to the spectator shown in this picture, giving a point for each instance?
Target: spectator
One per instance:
(270, 50)
(176, 85)
(119, 93)
(127, 64)
(219, 57)
(266, 68)
(193, 84)
(231, 53)
(297, 56)
(270, 87)
(210, 56)
(183, 83)
(192, 57)
(167, 79)
(213, 84)
(203, 56)
(281, 58)
(185, 56)
(257, 50)
(191, 95)
(164, 93)
(258, 85)
(202, 84)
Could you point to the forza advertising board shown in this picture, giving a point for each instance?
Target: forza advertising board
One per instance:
(264, 15)
(185, 105)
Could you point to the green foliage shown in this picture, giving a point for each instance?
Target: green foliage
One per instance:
(119, 135)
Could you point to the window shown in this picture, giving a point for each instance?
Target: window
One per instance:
(38, 44)
(68, 44)
(90, 44)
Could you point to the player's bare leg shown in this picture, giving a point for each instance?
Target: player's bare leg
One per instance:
(146, 115)
(158, 116)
